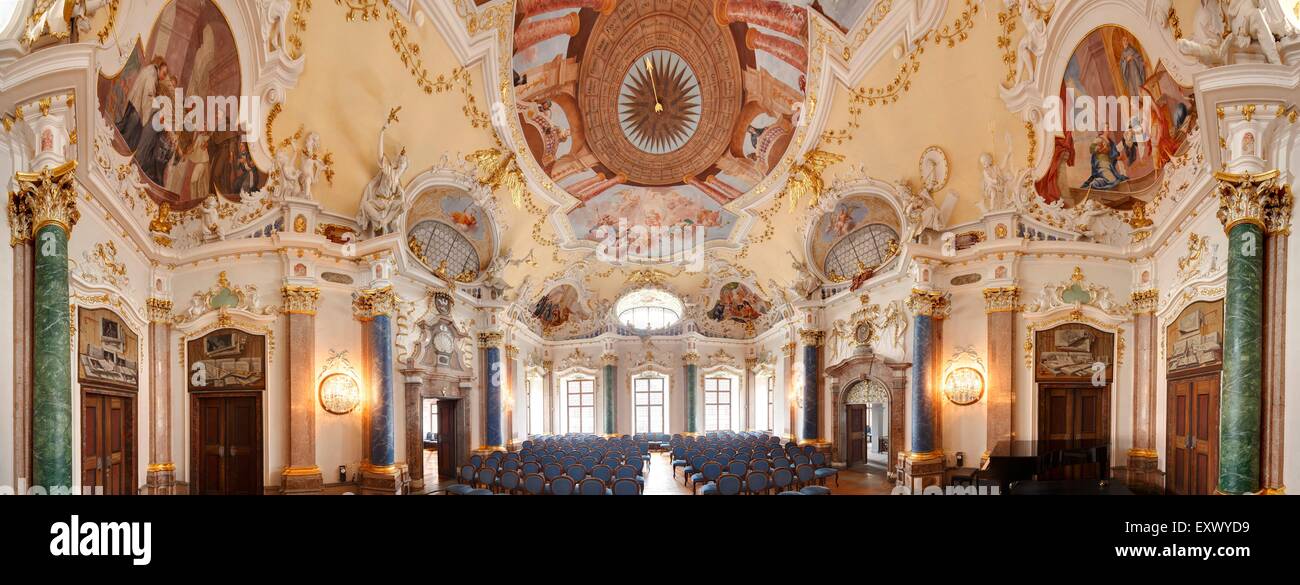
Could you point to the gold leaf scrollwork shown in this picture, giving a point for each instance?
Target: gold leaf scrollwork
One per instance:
(497, 169)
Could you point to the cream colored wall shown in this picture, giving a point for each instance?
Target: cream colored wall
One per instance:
(338, 437)
(6, 341)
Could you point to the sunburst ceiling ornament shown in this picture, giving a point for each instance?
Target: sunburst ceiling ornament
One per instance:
(659, 102)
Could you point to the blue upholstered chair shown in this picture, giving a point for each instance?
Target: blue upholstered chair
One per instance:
(466, 479)
(562, 486)
(510, 465)
(791, 493)
(782, 477)
(738, 468)
(823, 471)
(592, 487)
(509, 481)
(757, 482)
(479, 492)
(576, 471)
(760, 465)
(697, 462)
(476, 461)
(780, 462)
(709, 472)
(728, 484)
(531, 467)
(602, 472)
(807, 476)
(625, 486)
(486, 478)
(552, 471)
(678, 458)
(535, 484)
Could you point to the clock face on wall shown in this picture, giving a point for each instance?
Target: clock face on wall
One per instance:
(442, 342)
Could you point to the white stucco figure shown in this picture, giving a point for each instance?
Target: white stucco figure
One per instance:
(383, 200)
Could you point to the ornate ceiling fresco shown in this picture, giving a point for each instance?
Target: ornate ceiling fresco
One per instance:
(1122, 164)
(658, 112)
(190, 52)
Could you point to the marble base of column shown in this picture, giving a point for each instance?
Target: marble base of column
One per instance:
(1143, 470)
(301, 480)
(379, 481)
(923, 470)
(160, 479)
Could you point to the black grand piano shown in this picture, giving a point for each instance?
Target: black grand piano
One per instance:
(1019, 461)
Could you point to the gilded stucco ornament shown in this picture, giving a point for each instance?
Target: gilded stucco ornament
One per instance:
(49, 196)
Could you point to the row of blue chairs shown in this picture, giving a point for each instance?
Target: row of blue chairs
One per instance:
(511, 472)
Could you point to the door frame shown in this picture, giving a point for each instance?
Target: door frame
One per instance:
(1187, 376)
(196, 439)
(1040, 406)
(132, 436)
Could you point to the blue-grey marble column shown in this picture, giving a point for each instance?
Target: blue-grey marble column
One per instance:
(489, 345)
(47, 202)
(374, 308)
(812, 374)
(928, 309)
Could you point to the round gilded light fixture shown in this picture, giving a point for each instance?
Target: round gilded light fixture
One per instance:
(964, 386)
(339, 393)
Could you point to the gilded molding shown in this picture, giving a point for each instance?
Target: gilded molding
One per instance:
(50, 198)
(1145, 301)
(1143, 453)
(609, 359)
(788, 349)
(159, 309)
(812, 337)
(300, 300)
(368, 304)
(1004, 299)
(691, 358)
(1256, 199)
(511, 351)
(488, 339)
(20, 219)
(161, 467)
(929, 303)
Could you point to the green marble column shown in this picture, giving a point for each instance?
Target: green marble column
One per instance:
(52, 402)
(610, 396)
(51, 200)
(1243, 370)
(691, 361)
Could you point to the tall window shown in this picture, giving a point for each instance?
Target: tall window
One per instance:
(648, 395)
(581, 401)
(717, 404)
(536, 408)
(771, 403)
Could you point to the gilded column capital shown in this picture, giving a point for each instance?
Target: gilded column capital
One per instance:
(609, 359)
(511, 352)
(300, 300)
(548, 366)
(488, 339)
(368, 304)
(1144, 301)
(45, 197)
(929, 303)
(690, 358)
(812, 337)
(788, 349)
(1258, 199)
(1005, 299)
(159, 309)
(751, 364)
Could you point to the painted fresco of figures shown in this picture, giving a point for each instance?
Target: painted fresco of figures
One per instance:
(737, 303)
(191, 52)
(558, 306)
(1115, 159)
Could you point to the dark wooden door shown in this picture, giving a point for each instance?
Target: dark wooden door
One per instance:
(1193, 445)
(857, 429)
(107, 444)
(447, 438)
(1068, 414)
(228, 445)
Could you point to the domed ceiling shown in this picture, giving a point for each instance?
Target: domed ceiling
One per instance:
(659, 112)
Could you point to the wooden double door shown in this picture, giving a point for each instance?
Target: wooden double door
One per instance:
(1193, 435)
(1070, 414)
(226, 443)
(108, 442)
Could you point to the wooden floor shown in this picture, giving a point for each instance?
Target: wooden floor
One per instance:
(659, 480)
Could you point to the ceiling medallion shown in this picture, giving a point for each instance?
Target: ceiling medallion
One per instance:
(660, 102)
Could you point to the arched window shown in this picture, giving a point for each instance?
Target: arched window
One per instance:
(868, 246)
(580, 405)
(717, 403)
(649, 310)
(435, 242)
(648, 402)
